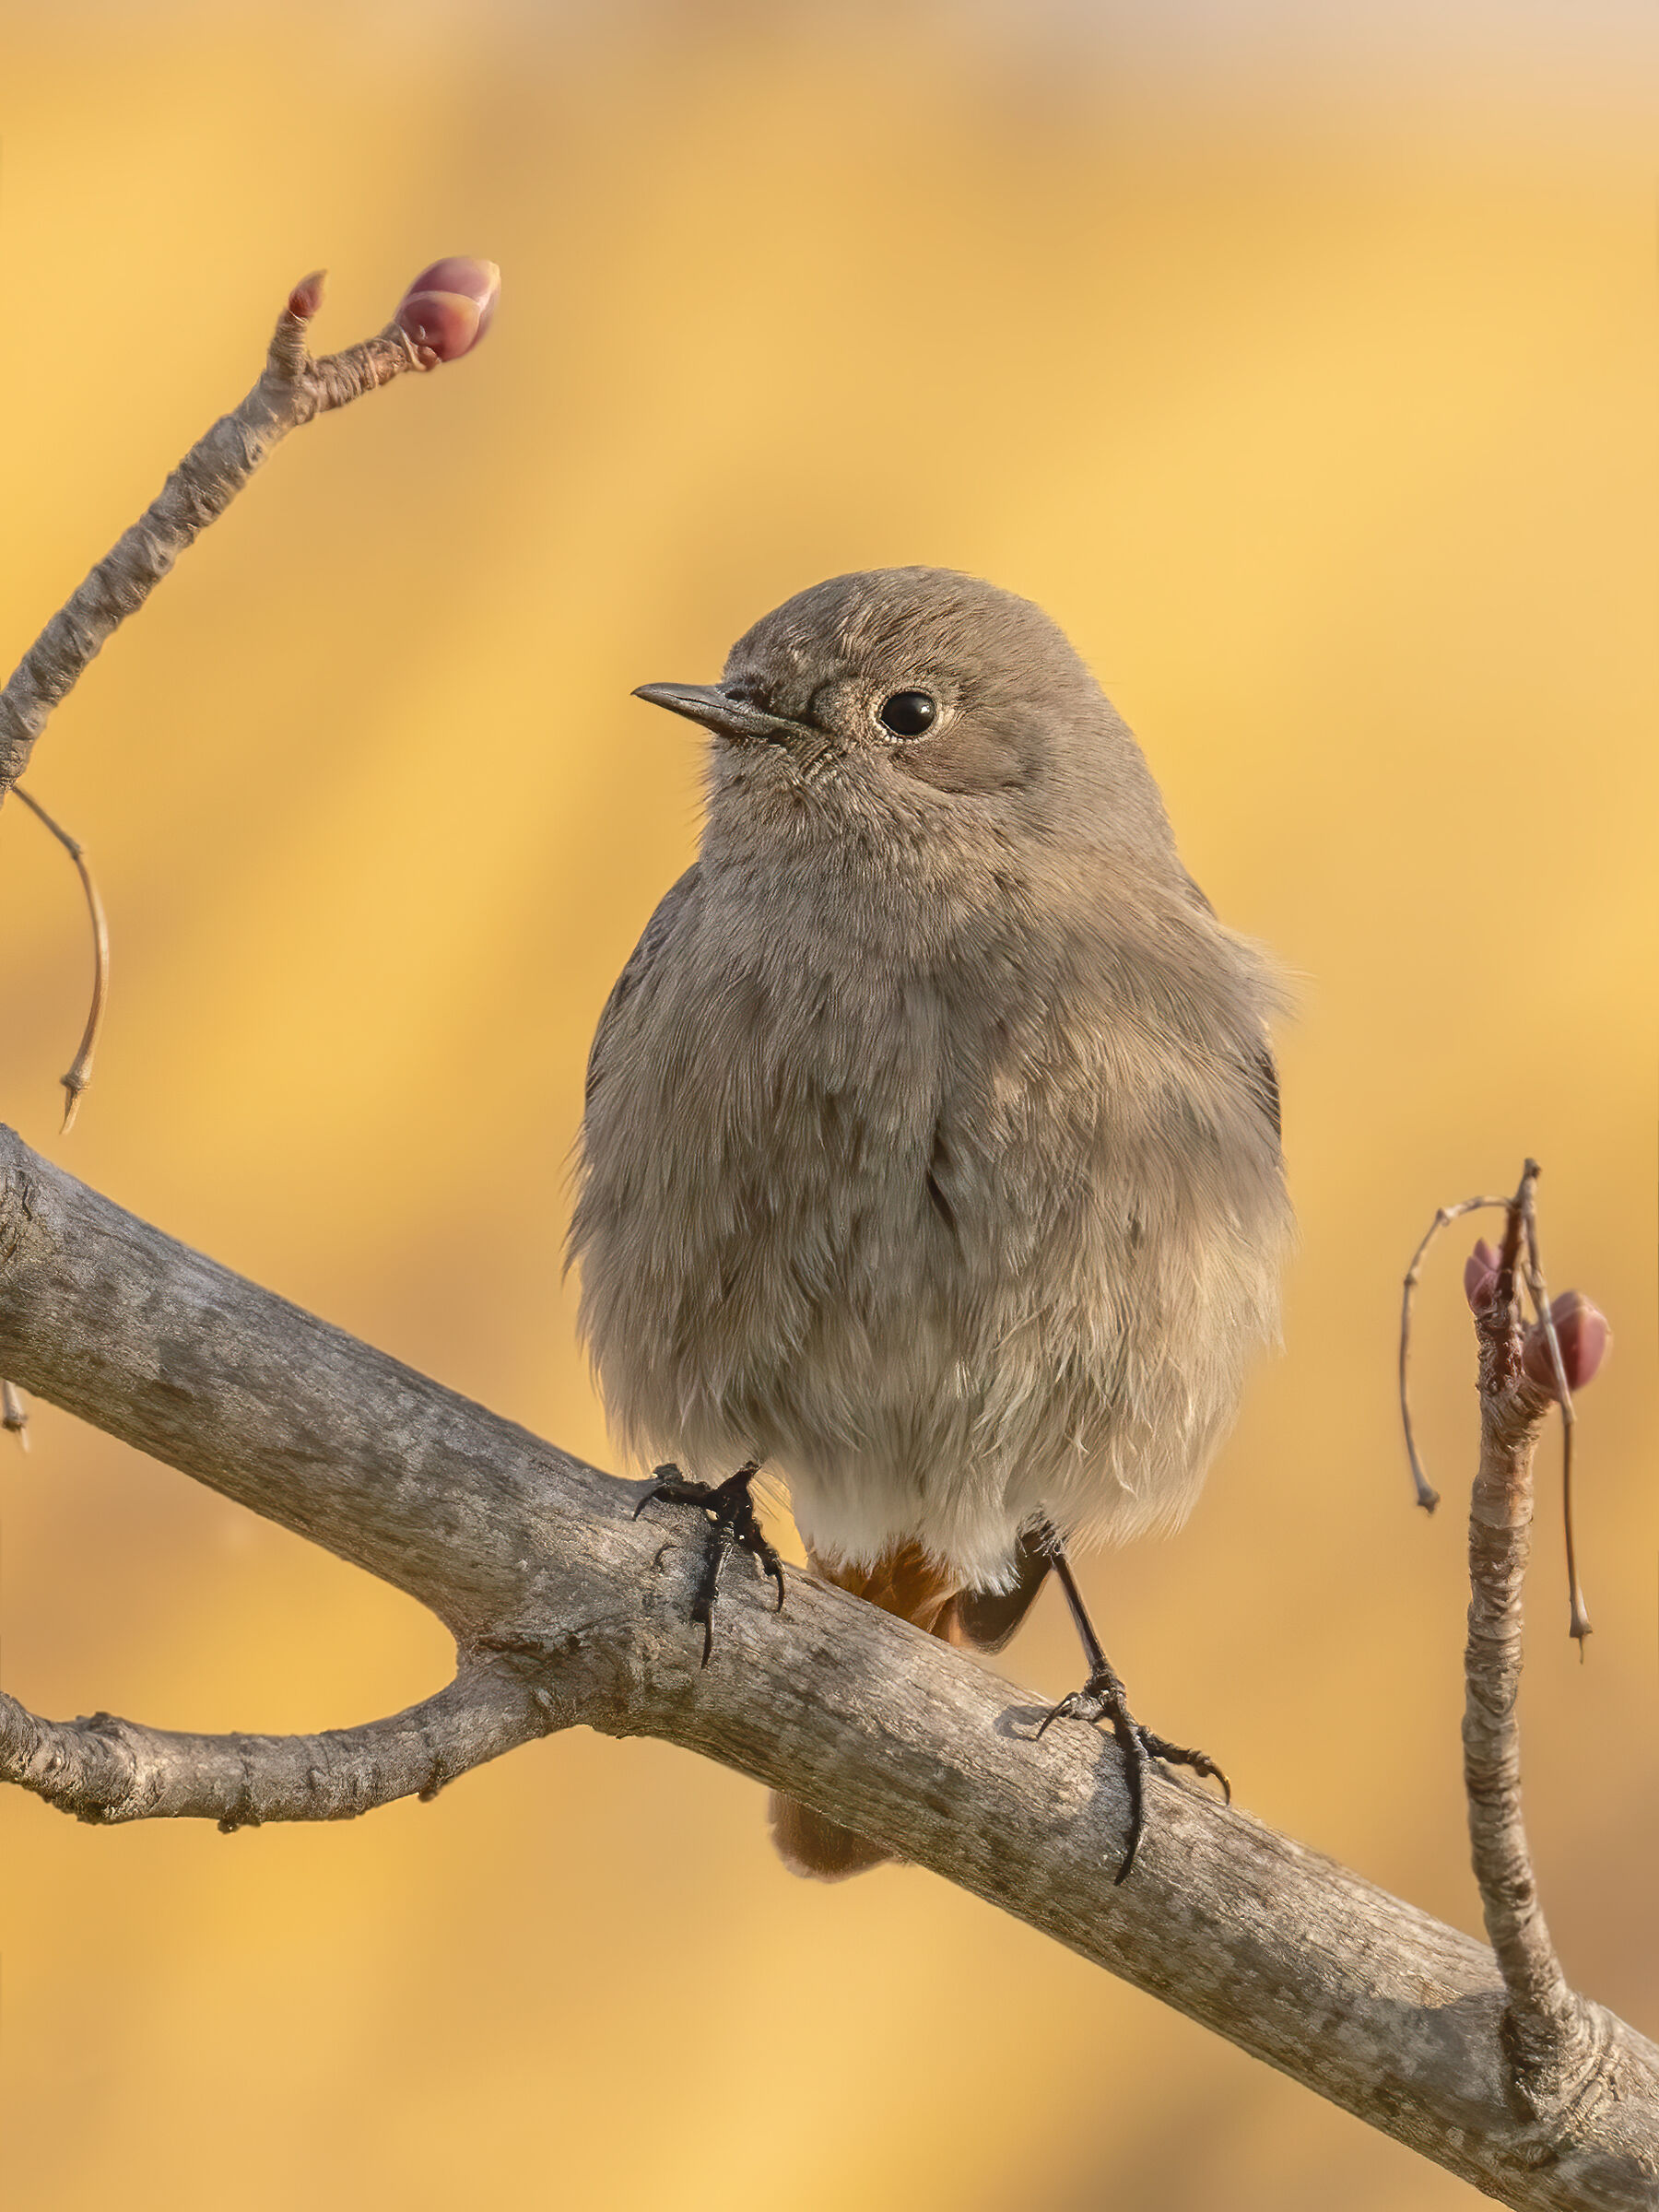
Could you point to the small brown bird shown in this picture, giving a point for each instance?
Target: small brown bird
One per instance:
(930, 1156)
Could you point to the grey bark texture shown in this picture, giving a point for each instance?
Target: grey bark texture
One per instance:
(568, 1612)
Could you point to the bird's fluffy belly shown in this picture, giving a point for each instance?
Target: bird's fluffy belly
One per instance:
(938, 1304)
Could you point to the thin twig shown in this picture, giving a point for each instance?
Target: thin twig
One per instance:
(1522, 1226)
(292, 390)
(1427, 1497)
(80, 1072)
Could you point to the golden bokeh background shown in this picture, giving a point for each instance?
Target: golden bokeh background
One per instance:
(1306, 373)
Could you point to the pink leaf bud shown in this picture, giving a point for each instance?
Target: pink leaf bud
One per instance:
(450, 306)
(1480, 1276)
(306, 295)
(1584, 1338)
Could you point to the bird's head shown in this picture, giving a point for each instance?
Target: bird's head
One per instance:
(925, 695)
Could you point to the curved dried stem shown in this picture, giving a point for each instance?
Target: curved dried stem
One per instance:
(14, 1414)
(80, 1071)
(1427, 1497)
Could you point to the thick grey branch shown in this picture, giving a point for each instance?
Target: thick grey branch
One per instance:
(292, 389)
(537, 1564)
(105, 1769)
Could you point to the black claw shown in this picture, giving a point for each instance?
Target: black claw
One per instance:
(732, 1526)
(1134, 1778)
(1177, 1755)
(673, 1489)
(1102, 1699)
(1066, 1710)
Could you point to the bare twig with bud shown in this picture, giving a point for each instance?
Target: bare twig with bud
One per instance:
(441, 317)
(1563, 1349)
(1525, 1369)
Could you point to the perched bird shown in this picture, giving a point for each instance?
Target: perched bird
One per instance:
(931, 1153)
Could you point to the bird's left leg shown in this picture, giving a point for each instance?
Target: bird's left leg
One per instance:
(734, 1525)
(1104, 1698)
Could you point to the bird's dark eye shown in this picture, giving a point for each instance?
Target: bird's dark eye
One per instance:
(908, 714)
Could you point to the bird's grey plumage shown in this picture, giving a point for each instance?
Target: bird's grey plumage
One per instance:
(931, 1150)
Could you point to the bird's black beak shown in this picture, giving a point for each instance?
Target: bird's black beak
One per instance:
(728, 717)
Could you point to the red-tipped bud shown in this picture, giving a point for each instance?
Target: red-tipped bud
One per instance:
(1585, 1339)
(1480, 1276)
(306, 295)
(450, 306)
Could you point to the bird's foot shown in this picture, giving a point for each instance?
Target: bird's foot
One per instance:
(734, 1525)
(1102, 1697)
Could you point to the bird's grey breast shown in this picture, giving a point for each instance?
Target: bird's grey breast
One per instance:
(759, 1151)
(953, 1226)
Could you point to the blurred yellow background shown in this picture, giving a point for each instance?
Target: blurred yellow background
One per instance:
(1306, 375)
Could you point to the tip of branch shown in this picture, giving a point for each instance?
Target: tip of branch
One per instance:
(449, 307)
(306, 295)
(73, 1086)
(14, 1414)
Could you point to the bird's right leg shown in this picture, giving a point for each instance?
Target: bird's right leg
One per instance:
(734, 1525)
(1104, 1698)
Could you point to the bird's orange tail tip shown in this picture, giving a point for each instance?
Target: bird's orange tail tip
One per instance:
(905, 1581)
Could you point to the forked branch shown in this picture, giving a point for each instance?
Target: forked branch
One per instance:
(568, 1611)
